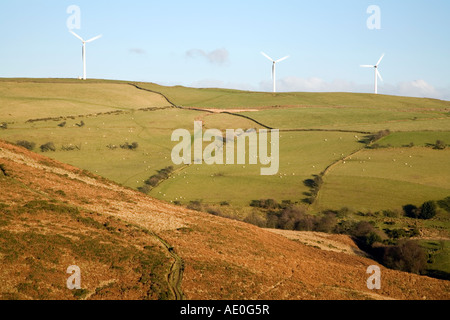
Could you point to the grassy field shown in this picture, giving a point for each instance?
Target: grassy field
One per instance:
(408, 176)
(115, 112)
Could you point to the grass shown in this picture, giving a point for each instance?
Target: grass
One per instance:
(112, 113)
(363, 182)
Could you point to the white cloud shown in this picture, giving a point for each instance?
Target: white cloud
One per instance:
(419, 88)
(137, 51)
(218, 56)
(416, 88)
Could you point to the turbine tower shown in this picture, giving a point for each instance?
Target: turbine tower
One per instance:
(377, 73)
(84, 49)
(274, 62)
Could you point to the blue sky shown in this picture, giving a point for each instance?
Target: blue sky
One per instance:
(218, 43)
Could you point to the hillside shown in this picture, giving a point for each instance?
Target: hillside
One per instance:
(131, 246)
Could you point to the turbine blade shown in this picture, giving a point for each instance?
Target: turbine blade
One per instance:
(265, 55)
(94, 38)
(279, 60)
(382, 56)
(76, 35)
(366, 66)
(379, 75)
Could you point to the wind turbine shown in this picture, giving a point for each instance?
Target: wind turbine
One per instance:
(274, 62)
(84, 49)
(377, 73)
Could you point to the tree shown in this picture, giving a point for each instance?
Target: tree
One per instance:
(411, 211)
(406, 256)
(427, 210)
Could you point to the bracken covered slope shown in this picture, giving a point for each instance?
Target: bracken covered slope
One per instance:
(131, 246)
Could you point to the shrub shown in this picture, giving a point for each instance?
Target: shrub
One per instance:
(132, 146)
(445, 204)
(81, 124)
(3, 125)
(390, 213)
(379, 135)
(255, 219)
(327, 223)
(406, 256)
(265, 204)
(26, 144)
(49, 146)
(195, 205)
(411, 211)
(3, 170)
(427, 210)
(440, 145)
(362, 228)
(62, 124)
(371, 238)
(224, 203)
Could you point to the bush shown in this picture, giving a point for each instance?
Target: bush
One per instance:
(406, 256)
(49, 146)
(427, 210)
(255, 219)
(390, 213)
(3, 125)
(411, 211)
(132, 146)
(371, 238)
(326, 223)
(440, 145)
(445, 204)
(26, 144)
(195, 205)
(3, 169)
(265, 204)
(62, 124)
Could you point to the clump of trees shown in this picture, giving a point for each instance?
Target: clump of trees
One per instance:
(155, 179)
(314, 187)
(407, 256)
(377, 136)
(426, 211)
(26, 144)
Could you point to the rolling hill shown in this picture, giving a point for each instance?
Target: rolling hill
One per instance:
(131, 246)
